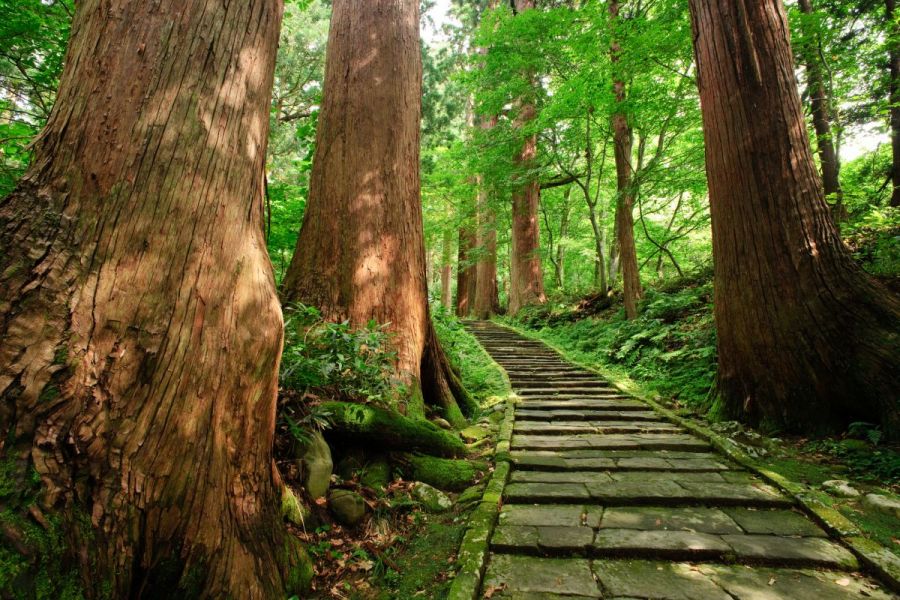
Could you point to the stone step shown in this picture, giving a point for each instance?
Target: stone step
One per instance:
(598, 414)
(578, 427)
(656, 489)
(529, 577)
(598, 402)
(636, 441)
(598, 460)
(564, 385)
(569, 393)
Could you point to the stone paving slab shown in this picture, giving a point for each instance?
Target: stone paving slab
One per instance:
(526, 574)
(691, 519)
(601, 416)
(555, 461)
(572, 428)
(636, 441)
(585, 404)
(760, 583)
(657, 492)
(774, 522)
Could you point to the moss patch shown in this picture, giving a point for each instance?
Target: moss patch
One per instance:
(446, 474)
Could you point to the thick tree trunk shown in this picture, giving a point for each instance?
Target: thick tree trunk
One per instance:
(893, 32)
(446, 269)
(487, 299)
(623, 141)
(140, 332)
(466, 272)
(807, 341)
(360, 254)
(820, 107)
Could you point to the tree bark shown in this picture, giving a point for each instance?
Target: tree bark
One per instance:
(526, 277)
(623, 139)
(487, 299)
(446, 269)
(821, 109)
(140, 331)
(806, 340)
(466, 272)
(893, 33)
(360, 254)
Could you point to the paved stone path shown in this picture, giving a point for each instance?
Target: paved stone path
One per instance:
(607, 499)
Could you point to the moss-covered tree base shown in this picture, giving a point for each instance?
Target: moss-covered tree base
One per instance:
(389, 430)
(447, 474)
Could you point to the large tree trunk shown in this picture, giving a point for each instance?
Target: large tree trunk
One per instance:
(807, 341)
(623, 139)
(820, 107)
(487, 299)
(893, 33)
(446, 269)
(360, 254)
(140, 331)
(466, 272)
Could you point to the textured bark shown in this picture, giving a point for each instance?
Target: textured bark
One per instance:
(466, 273)
(820, 107)
(360, 254)
(893, 32)
(526, 277)
(807, 341)
(623, 139)
(487, 298)
(446, 269)
(140, 332)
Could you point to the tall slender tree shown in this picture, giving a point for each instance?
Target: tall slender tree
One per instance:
(806, 340)
(821, 108)
(623, 142)
(360, 254)
(140, 331)
(446, 268)
(526, 276)
(893, 44)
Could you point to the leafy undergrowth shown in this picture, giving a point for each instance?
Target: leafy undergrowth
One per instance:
(670, 348)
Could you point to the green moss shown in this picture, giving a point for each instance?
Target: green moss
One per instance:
(386, 429)
(442, 473)
(298, 567)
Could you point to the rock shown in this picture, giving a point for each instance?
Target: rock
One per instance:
(317, 466)
(377, 473)
(841, 488)
(474, 433)
(883, 504)
(348, 507)
(432, 499)
(442, 423)
(498, 408)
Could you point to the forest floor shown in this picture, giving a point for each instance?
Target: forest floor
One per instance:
(608, 497)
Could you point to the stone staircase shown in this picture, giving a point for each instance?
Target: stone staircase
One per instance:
(607, 499)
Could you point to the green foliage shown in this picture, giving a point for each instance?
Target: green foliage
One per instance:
(336, 360)
(864, 459)
(480, 375)
(34, 35)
